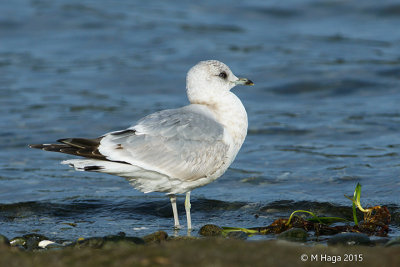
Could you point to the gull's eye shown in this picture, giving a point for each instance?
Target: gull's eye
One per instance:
(223, 75)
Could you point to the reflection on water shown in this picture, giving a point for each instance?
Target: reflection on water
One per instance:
(323, 114)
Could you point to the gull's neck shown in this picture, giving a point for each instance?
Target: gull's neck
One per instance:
(230, 112)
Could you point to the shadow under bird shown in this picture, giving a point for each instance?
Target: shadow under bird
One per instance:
(175, 150)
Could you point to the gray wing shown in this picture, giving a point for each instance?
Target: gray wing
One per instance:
(185, 143)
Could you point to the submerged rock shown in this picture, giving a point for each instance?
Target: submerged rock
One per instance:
(395, 242)
(4, 241)
(156, 237)
(350, 239)
(294, 235)
(70, 224)
(210, 230)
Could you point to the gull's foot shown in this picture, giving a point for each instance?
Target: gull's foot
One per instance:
(189, 232)
(177, 227)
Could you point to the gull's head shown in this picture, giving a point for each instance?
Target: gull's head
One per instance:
(209, 79)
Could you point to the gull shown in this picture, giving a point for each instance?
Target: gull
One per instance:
(175, 150)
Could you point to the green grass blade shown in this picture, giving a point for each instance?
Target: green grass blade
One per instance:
(305, 211)
(356, 202)
(356, 197)
(236, 229)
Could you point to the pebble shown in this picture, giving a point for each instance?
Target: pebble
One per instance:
(18, 241)
(294, 235)
(45, 243)
(350, 239)
(156, 237)
(210, 230)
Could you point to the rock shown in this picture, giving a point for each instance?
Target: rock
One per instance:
(4, 241)
(122, 238)
(123, 234)
(54, 246)
(294, 235)
(115, 237)
(48, 244)
(45, 243)
(237, 235)
(124, 242)
(35, 236)
(32, 241)
(395, 242)
(156, 237)
(210, 230)
(92, 242)
(107, 241)
(350, 239)
(18, 241)
(136, 240)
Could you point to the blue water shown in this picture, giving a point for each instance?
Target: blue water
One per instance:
(324, 113)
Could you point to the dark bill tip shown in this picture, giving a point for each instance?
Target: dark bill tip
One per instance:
(249, 82)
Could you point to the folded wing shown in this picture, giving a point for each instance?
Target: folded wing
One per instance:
(185, 143)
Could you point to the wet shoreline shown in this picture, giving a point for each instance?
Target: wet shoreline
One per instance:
(69, 221)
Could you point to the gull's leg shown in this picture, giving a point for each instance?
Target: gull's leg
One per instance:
(175, 211)
(187, 208)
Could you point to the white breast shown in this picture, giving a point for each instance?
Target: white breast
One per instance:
(231, 113)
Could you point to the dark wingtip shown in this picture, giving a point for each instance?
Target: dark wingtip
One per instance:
(127, 131)
(92, 168)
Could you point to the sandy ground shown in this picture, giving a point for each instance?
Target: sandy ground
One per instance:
(206, 252)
